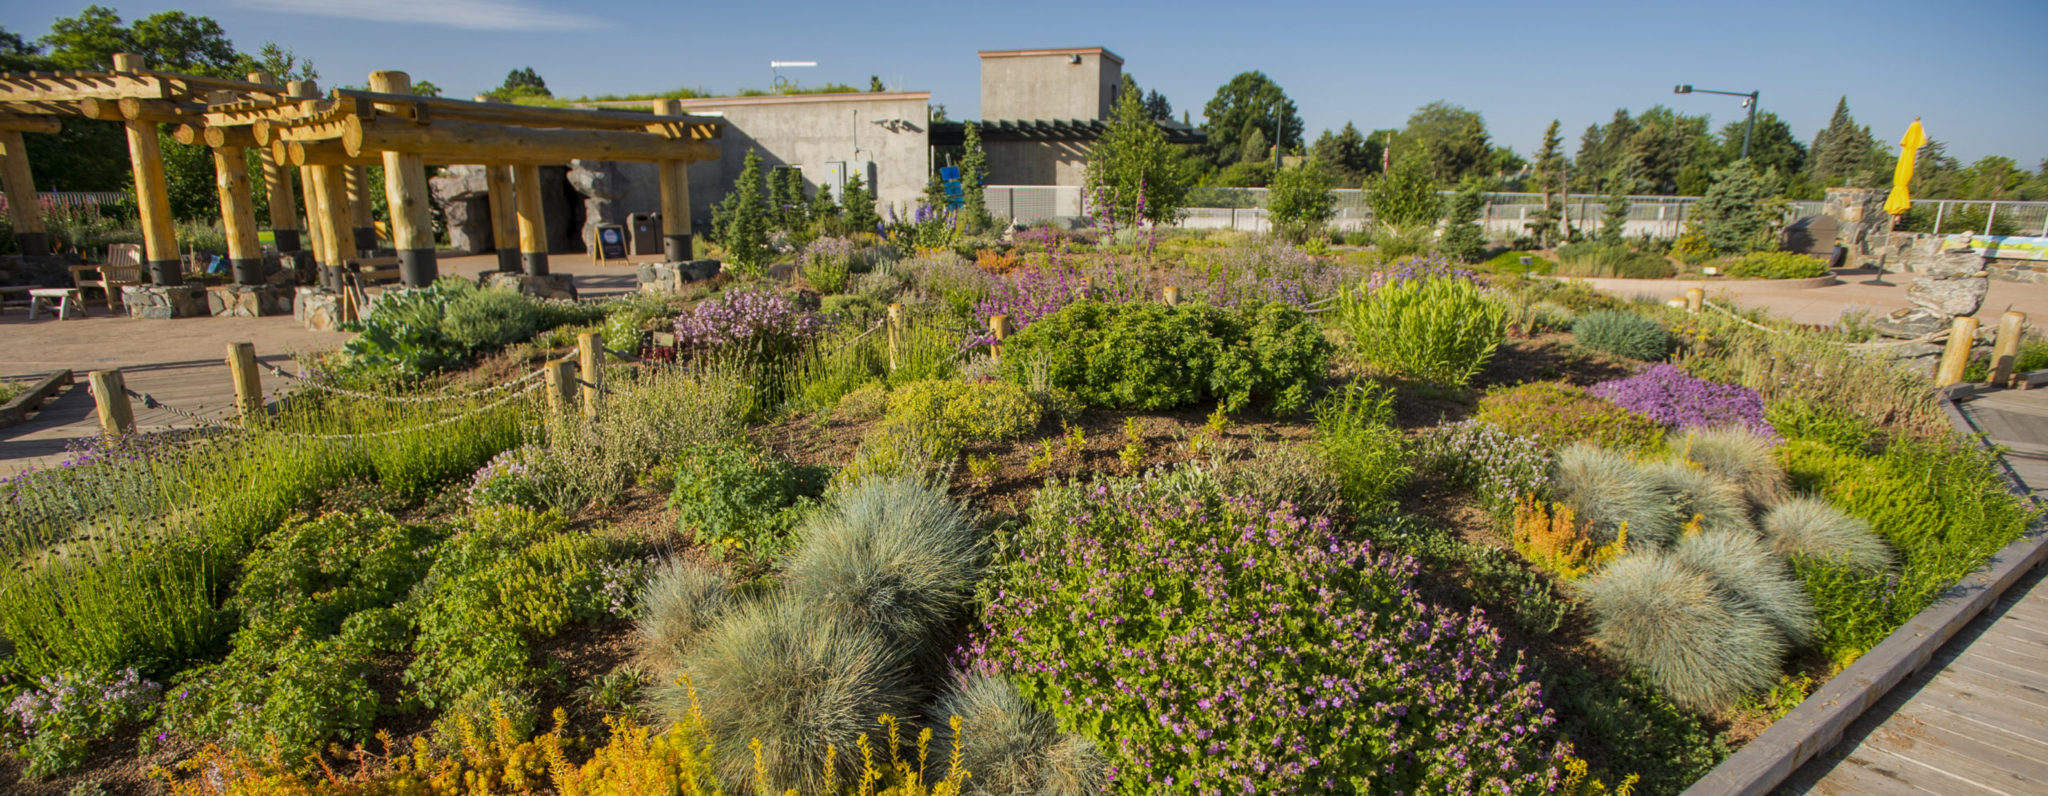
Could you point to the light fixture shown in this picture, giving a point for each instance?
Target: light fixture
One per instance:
(1073, 58)
(1748, 101)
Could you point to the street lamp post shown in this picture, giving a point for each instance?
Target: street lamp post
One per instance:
(1748, 101)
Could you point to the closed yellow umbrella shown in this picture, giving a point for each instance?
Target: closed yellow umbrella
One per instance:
(1901, 199)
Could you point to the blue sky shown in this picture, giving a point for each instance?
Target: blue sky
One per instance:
(1970, 68)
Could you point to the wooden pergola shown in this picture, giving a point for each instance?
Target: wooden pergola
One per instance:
(330, 140)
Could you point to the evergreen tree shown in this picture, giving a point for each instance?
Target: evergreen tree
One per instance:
(823, 212)
(973, 173)
(742, 218)
(1614, 220)
(1133, 166)
(875, 84)
(1549, 168)
(860, 207)
(1347, 154)
(1846, 153)
(521, 83)
(1464, 240)
(1771, 145)
(786, 195)
(1250, 101)
(1157, 107)
(1737, 214)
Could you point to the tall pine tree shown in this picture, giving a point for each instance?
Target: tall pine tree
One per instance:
(973, 172)
(1845, 153)
(1549, 170)
(742, 218)
(860, 207)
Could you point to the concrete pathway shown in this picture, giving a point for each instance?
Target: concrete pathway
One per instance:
(1823, 306)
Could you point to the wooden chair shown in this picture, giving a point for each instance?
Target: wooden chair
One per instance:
(375, 270)
(123, 267)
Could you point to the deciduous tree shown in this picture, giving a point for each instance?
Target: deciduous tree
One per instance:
(1135, 169)
(1250, 101)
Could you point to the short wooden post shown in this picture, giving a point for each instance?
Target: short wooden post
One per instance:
(1171, 295)
(248, 387)
(152, 194)
(277, 185)
(2007, 349)
(405, 190)
(110, 394)
(1695, 299)
(23, 209)
(675, 198)
(1961, 335)
(362, 220)
(561, 389)
(999, 328)
(533, 234)
(895, 333)
(590, 355)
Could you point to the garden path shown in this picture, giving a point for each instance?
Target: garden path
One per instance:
(1975, 719)
(183, 362)
(1822, 306)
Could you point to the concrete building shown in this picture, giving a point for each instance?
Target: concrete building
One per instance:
(883, 137)
(1072, 83)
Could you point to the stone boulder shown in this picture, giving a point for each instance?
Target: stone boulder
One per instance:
(463, 194)
(1953, 263)
(317, 309)
(156, 301)
(248, 301)
(1951, 296)
(1910, 322)
(551, 286)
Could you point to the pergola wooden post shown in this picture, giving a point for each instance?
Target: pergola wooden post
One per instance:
(23, 209)
(277, 184)
(675, 197)
(336, 238)
(504, 217)
(309, 176)
(362, 220)
(533, 235)
(152, 195)
(238, 214)
(405, 189)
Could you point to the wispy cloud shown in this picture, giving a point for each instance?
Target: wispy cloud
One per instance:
(464, 14)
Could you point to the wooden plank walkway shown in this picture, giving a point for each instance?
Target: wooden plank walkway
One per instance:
(1975, 719)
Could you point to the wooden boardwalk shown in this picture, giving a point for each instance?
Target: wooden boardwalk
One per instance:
(1975, 719)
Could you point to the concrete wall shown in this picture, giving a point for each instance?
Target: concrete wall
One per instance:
(1036, 162)
(1047, 84)
(889, 129)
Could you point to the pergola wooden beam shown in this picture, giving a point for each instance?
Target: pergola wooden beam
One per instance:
(474, 142)
(29, 124)
(674, 176)
(439, 109)
(152, 195)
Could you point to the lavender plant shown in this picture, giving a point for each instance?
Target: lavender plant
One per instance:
(512, 478)
(1212, 644)
(1499, 467)
(1667, 394)
(760, 334)
(828, 264)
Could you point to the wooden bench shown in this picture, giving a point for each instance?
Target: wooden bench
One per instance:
(375, 270)
(14, 296)
(63, 299)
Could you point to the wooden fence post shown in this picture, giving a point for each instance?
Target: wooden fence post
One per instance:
(2007, 350)
(1961, 335)
(999, 327)
(248, 388)
(1695, 299)
(590, 355)
(110, 393)
(561, 389)
(1171, 295)
(895, 333)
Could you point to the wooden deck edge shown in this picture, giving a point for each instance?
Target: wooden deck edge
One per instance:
(1815, 726)
(16, 411)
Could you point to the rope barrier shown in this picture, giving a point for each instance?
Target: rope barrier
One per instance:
(401, 399)
(150, 402)
(1921, 340)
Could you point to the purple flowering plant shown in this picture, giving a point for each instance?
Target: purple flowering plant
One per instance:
(511, 478)
(1499, 467)
(51, 723)
(1214, 644)
(1667, 394)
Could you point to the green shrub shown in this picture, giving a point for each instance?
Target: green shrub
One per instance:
(1510, 262)
(1620, 261)
(891, 555)
(954, 413)
(798, 680)
(485, 320)
(1438, 329)
(1355, 435)
(1835, 426)
(401, 339)
(1695, 641)
(1276, 472)
(1943, 507)
(678, 605)
(1759, 580)
(52, 724)
(1151, 356)
(1558, 414)
(1623, 334)
(507, 579)
(1010, 746)
(1608, 491)
(1776, 265)
(1739, 456)
(1810, 528)
(737, 499)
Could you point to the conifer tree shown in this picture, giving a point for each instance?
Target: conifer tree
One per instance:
(1549, 170)
(1134, 159)
(1736, 214)
(860, 207)
(742, 218)
(1845, 153)
(1614, 220)
(1463, 239)
(973, 172)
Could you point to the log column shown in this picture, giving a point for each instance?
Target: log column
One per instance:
(309, 176)
(675, 197)
(362, 221)
(22, 206)
(533, 235)
(405, 191)
(238, 213)
(504, 217)
(336, 238)
(277, 184)
(152, 196)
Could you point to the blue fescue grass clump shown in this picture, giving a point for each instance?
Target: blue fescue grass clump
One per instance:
(678, 604)
(1696, 641)
(1606, 489)
(894, 554)
(1623, 334)
(1739, 455)
(1009, 745)
(1760, 581)
(1207, 642)
(1696, 496)
(1809, 527)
